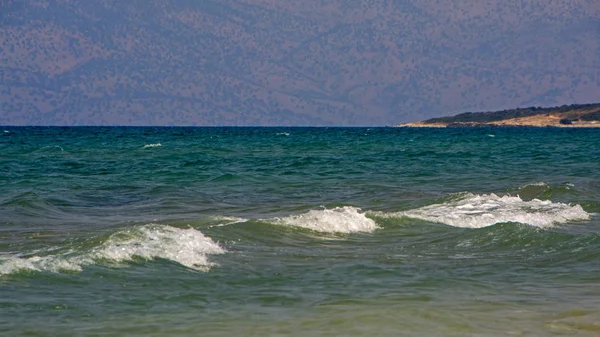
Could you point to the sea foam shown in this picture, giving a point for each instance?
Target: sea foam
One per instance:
(227, 220)
(151, 145)
(476, 211)
(345, 219)
(188, 247)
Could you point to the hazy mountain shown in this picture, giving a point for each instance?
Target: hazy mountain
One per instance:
(312, 62)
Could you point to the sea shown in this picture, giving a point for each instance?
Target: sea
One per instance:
(297, 231)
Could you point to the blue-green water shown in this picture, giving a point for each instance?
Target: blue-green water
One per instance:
(299, 231)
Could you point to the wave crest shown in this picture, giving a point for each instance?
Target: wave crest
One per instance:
(151, 145)
(188, 247)
(476, 211)
(345, 219)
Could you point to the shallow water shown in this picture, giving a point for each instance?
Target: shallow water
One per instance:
(299, 231)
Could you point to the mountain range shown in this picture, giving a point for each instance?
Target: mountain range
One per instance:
(268, 62)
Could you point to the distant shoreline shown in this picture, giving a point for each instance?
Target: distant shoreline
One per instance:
(491, 125)
(571, 116)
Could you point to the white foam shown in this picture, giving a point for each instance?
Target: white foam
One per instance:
(152, 145)
(345, 219)
(476, 211)
(539, 183)
(51, 263)
(227, 220)
(188, 247)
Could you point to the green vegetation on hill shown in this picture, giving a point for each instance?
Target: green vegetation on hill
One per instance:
(592, 116)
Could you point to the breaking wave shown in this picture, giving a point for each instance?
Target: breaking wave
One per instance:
(476, 211)
(345, 219)
(188, 247)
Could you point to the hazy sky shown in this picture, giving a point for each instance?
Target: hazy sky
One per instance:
(268, 62)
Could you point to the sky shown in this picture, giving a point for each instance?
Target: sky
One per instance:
(290, 63)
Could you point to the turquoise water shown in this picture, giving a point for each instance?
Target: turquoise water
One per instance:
(299, 231)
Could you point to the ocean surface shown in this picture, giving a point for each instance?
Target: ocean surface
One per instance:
(299, 231)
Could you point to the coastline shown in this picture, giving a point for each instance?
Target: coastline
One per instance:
(497, 125)
(573, 116)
